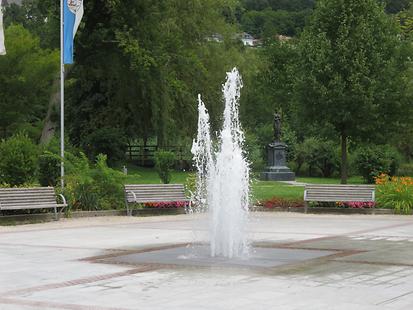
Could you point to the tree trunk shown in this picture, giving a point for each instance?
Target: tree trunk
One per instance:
(49, 126)
(344, 161)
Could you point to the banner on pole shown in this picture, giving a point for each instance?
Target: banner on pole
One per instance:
(2, 47)
(73, 13)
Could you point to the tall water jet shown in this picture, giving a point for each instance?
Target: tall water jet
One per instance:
(223, 175)
(202, 151)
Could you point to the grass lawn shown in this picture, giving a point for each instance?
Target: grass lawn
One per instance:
(351, 180)
(261, 190)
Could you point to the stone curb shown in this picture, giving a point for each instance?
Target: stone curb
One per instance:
(318, 210)
(80, 214)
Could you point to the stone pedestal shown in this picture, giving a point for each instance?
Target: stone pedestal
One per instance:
(277, 169)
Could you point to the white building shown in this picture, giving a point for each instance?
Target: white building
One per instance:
(247, 39)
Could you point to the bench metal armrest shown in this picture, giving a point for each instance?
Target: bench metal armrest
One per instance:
(305, 195)
(134, 196)
(63, 198)
(64, 203)
(129, 211)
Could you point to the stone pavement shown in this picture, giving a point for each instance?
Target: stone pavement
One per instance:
(80, 264)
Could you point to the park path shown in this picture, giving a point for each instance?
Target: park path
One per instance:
(53, 265)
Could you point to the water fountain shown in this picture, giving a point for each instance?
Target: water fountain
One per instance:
(223, 175)
(223, 193)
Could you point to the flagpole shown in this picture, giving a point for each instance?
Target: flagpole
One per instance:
(62, 98)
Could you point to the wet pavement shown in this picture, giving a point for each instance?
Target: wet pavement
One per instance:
(297, 261)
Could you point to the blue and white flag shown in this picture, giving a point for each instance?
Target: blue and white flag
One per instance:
(2, 47)
(73, 13)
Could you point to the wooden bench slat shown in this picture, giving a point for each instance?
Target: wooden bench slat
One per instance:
(147, 193)
(338, 193)
(29, 198)
(14, 207)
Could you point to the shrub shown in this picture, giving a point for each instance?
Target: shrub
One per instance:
(18, 160)
(255, 152)
(405, 170)
(49, 169)
(371, 161)
(164, 162)
(108, 183)
(317, 153)
(92, 187)
(109, 141)
(395, 193)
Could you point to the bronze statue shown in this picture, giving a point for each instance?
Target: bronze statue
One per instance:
(277, 127)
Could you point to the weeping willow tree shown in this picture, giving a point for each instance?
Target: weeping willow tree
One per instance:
(140, 64)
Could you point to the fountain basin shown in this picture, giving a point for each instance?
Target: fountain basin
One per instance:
(199, 256)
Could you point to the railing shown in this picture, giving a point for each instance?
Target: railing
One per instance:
(144, 154)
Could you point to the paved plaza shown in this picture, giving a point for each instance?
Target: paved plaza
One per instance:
(311, 262)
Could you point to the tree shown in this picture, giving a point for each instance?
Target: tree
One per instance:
(160, 59)
(26, 78)
(352, 72)
(40, 17)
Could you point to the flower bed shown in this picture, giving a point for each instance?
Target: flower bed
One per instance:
(167, 204)
(395, 193)
(356, 205)
(276, 202)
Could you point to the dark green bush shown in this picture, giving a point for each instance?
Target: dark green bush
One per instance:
(255, 152)
(109, 184)
(18, 160)
(93, 187)
(109, 141)
(371, 161)
(405, 170)
(164, 162)
(49, 169)
(317, 154)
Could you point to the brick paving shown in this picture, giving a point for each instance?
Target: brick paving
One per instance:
(72, 264)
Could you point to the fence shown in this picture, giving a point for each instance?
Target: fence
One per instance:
(144, 155)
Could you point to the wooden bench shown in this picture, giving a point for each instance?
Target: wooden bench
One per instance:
(144, 193)
(31, 198)
(338, 193)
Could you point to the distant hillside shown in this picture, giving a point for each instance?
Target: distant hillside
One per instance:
(267, 18)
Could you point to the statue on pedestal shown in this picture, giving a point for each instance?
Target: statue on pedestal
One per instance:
(277, 169)
(277, 127)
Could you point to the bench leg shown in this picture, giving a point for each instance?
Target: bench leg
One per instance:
(128, 212)
(56, 217)
(305, 207)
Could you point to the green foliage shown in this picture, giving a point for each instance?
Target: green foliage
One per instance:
(353, 69)
(160, 60)
(92, 187)
(109, 184)
(40, 17)
(49, 169)
(288, 5)
(255, 152)
(164, 162)
(405, 169)
(317, 153)
(268, 23)
(371, 161)
(109, 141)
(395, 193)
(18, 160)
(26, 78)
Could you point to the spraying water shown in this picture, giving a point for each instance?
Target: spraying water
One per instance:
(223, 175)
